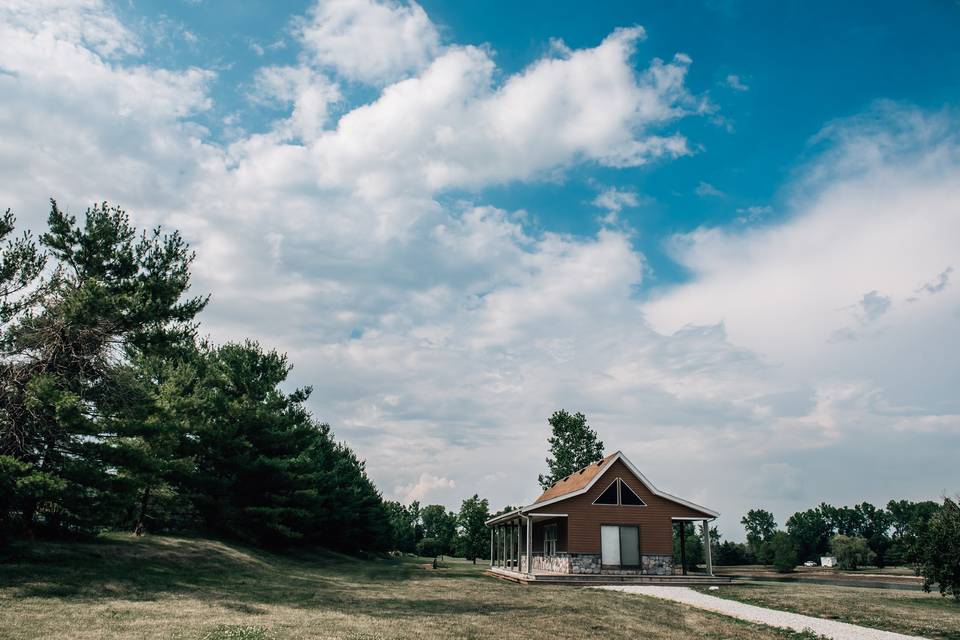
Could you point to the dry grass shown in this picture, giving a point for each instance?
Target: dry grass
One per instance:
(909, 612)
(162, 587)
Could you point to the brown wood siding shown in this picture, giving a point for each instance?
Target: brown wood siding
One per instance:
(582, 531)
(538, 534)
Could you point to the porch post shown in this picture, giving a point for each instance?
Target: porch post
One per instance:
(706, 544)
(503, 544)
(491, 546)
(529, 545)
(683, 547)
(500, 546)
(519, 543)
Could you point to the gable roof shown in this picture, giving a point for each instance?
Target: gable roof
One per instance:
(575, 481)
(580, 482)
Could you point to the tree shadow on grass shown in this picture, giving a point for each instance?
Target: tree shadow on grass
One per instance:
(247, 580)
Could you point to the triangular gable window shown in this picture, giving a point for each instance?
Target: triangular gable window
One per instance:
(628, 497)
(609, 495)
(618, 493)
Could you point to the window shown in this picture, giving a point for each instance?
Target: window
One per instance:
(628, 497)
(619, 493)
(550, 540)
(609, 495)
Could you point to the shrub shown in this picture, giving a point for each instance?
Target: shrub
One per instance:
(852, 552)
(784, 552)
(429, 547)
(733, 553)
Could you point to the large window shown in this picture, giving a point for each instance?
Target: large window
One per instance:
(550, 540)
(619, 493)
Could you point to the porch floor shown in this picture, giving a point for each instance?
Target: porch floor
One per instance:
(549, 577)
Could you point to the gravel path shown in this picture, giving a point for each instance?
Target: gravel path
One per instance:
(783, 619)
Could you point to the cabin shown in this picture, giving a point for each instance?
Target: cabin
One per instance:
(606, 518)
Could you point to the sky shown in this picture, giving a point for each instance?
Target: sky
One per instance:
(728, 232)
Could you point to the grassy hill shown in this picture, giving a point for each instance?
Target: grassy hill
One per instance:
(167, 587)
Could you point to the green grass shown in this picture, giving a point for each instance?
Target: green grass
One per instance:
(901, 611)
(164, 587)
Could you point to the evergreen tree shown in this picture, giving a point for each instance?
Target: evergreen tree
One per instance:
(264, 470)
(68, 384)
(573, 445)
(21, 263)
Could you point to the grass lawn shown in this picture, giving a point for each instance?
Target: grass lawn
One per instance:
(909, 612)
(160, 587)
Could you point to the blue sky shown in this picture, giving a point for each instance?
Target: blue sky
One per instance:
(721, 229)
(798, 66)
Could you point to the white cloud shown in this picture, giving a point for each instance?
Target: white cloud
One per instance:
(452, 127)
(426, 485)
(875, 214)
(615, 200)
(310, 94)
(707, 190)
(77, 124)
(874, 305)
(939, 283)
(734, 82)
(753, 213)
(372, 41)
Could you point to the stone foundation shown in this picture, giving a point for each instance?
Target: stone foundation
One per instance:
(585, 563)
(657, 565)
(582, 563)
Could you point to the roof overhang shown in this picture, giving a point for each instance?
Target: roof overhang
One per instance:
(649, 485)
(517, 514)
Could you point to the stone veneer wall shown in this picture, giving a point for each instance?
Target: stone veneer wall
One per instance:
(590, 563)
(585, 563)
(657, 565)
(559, 563)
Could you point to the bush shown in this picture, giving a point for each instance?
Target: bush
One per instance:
(429, 548)
(852, 552)
(940, 550)
(784, 552)
(734, 553)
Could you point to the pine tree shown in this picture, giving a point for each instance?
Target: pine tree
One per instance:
(573, 446)
(69, 383)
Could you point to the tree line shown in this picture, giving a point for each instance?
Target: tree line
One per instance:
(114, 414)
(924, 535)
(433, 531)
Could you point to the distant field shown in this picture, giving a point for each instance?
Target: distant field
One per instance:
(909, 612)
(159, 587)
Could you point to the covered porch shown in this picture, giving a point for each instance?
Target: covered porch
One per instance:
(533, 546)
(521, 543)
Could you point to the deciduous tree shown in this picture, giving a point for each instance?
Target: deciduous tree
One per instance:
(473, 540)
(940, 550)
(573, 445)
